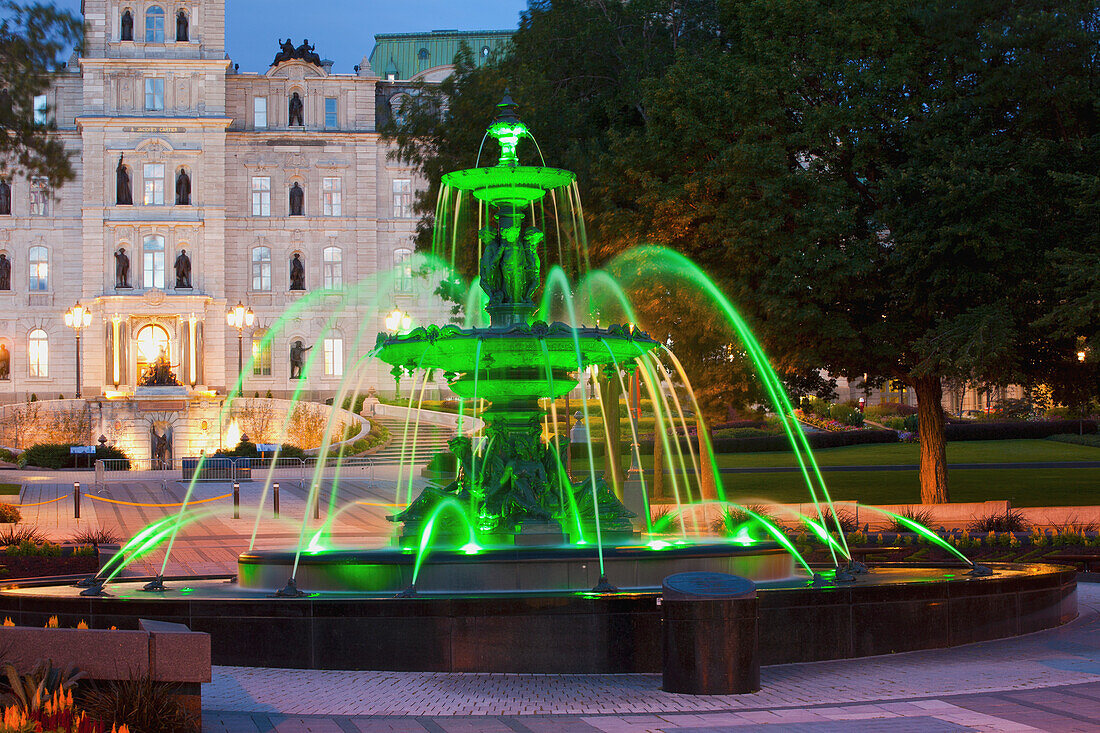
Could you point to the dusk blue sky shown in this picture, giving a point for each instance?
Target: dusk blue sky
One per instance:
(343, 30)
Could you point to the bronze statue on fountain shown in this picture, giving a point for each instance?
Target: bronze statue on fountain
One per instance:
(159, 373)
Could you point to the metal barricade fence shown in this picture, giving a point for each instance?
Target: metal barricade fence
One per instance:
(229, 469)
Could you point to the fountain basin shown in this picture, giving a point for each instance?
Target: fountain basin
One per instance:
(514, 184)
(896, 608)
(508, 569)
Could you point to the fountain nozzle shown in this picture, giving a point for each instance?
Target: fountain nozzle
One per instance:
(604, 586)
(95, 589)
(980, 571)
(290, 590)
(156, 585)
(87, 582)
(409, 592)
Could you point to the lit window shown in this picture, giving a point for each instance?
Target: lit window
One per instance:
(41, 108)
(154, 94)
(333, 266)
(40, 196)
(40, 269)
(259, 112)
(403, 275)
(330, 191)
(402, 198)
(38, 353)
(334, 357)
(153, 261)
(152, 341)
(330, 113)
(261, 268)
(261, 196)
(153, 181)
(154, 25)
(261, 354)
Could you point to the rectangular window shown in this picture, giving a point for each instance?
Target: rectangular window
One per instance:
(39, 269)
(334, 357)
(330, 113)
(154, 94)
(40, 196)
(330, 191)
(261, 269)
(153, 263)
(402, 198)
(333, 268)
(261, 196)
(41, 109)
(403, 275)
(153, 180)
(261, 356)
(259, 112)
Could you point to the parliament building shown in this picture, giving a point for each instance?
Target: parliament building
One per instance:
(198, 187)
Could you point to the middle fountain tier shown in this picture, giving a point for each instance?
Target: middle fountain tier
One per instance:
(511, 484)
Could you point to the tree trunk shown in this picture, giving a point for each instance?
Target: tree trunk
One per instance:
(708, 487)
(657, 484)
(614, 471)
(933, 442)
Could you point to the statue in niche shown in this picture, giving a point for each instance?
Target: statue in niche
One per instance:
(297, 200)
(5, 363)
(181, 26)
(183, 270)
(5, 197)
(286, 52)
(159, 373)
(296, 110)
(122, 269)
(5, 272)
(127, 33)
(297, 273)
(124, 193)
(161, 447)
(183, 188)
(297, 358)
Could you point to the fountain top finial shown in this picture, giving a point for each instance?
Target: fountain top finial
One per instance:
(507, 129)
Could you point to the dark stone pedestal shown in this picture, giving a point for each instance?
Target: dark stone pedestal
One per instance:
(710, 635)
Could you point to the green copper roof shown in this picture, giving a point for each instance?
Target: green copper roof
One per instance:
(403, 54)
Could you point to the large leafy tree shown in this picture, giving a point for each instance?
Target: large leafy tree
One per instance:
(33, 38)
(888, 189)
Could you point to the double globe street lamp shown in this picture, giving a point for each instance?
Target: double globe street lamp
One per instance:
(77, 318)
(240, 317)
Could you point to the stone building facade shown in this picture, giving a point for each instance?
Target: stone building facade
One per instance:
(269, 189)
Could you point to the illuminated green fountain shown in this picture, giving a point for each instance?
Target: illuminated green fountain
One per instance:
(511, 481)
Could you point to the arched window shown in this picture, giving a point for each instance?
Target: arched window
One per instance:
(38, 353)
(334, 356)
(154, 25)
(151, 341)
(423, 54)
(402, 265)
(153, 261)
(261, 268)
(333, 268)
(261, 353)
(40, 269)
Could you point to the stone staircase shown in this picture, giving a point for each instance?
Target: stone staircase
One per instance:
(430, 439)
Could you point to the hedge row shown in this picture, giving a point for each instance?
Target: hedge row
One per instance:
(1014, 429)
(57, 455)
(752, 445)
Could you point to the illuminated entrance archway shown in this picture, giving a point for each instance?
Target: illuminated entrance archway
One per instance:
(151, 341)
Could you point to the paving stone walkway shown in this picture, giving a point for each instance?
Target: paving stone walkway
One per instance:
(1049, 681)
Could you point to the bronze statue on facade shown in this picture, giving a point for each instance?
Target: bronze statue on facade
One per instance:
(124, 192)
(122, 269)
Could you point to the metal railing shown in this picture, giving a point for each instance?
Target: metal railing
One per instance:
(231, 468)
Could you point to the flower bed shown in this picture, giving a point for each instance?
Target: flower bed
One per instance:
(823, 423)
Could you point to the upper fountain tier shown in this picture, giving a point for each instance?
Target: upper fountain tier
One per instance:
(508, 182)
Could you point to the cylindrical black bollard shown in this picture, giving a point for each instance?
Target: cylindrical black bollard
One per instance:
(710, 634)
(76, 500)
(317, 503)
(236, 500)
(275, 498)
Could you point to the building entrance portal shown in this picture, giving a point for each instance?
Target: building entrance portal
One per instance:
(152, 342)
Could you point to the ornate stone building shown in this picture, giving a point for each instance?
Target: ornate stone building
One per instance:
(198, 187)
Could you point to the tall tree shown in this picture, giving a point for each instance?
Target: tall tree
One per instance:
(885, 189)
(32, 38)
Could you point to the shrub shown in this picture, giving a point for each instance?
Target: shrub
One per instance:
(1011, 520)
(7, 456)
(1014, 409)
(9, 514)
(846, 414)
(664, 516)
(27, 548)
(29, 692)
(726, 433)
(377, 435)
(1013, 430)
(57, 455)
(923, 517)
(1091, 440)
(733, 517)
(142, 704)
(95, 536)
(14, 534)
(354, 405)
(888, 408)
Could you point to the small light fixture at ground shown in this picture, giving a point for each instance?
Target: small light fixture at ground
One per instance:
(1081, 355)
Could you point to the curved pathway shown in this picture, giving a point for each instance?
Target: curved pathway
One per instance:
(1046, 681)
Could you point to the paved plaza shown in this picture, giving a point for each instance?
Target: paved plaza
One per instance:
(1048, 681)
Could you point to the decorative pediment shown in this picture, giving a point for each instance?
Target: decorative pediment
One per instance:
(154, 146)
(296, 70)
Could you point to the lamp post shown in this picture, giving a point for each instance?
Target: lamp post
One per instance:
(77, 318)
(396, 322)
(240, 317)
